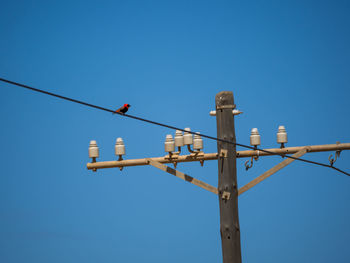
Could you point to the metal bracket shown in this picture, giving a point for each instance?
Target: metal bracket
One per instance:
(171, 156)
(120, 159)
(183, 176)
(226, 107)
(223, 153)
(197, 154)
(336, 156)
(273, 170)
(226, 195)
(248, 166)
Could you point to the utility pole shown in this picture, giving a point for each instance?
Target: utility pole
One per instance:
(227, 190)
(227, 171)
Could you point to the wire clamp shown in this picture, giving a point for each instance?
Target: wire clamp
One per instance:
(256, 158)
(336, 156)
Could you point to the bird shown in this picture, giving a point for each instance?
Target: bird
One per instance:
(123, 109)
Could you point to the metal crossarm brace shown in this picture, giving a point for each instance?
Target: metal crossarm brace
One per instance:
(270, 172)
(183, 176)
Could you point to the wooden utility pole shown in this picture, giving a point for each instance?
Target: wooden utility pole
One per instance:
(227, 190)
(229, 223)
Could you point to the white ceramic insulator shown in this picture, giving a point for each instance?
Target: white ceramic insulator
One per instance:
(212, 113)
(255, 137)
(236, 112)
(93, 150)
(179, 139)
(169, 144)
(119, 147)
(282, 135)
(197, 142)
(188, 139)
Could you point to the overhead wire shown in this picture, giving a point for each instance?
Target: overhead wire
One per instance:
(165, 125)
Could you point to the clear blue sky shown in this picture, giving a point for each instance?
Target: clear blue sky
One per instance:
(287, 63)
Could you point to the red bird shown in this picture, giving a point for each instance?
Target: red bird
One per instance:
(123, 109)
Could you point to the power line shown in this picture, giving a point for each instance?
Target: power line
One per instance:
(165, 125)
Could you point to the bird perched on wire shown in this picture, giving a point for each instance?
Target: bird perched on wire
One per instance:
(123, 109)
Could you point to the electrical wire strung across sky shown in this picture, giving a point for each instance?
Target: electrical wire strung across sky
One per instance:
(165, 125)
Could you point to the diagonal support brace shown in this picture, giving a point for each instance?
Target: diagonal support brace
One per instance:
(183, 176)
(270, 172)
